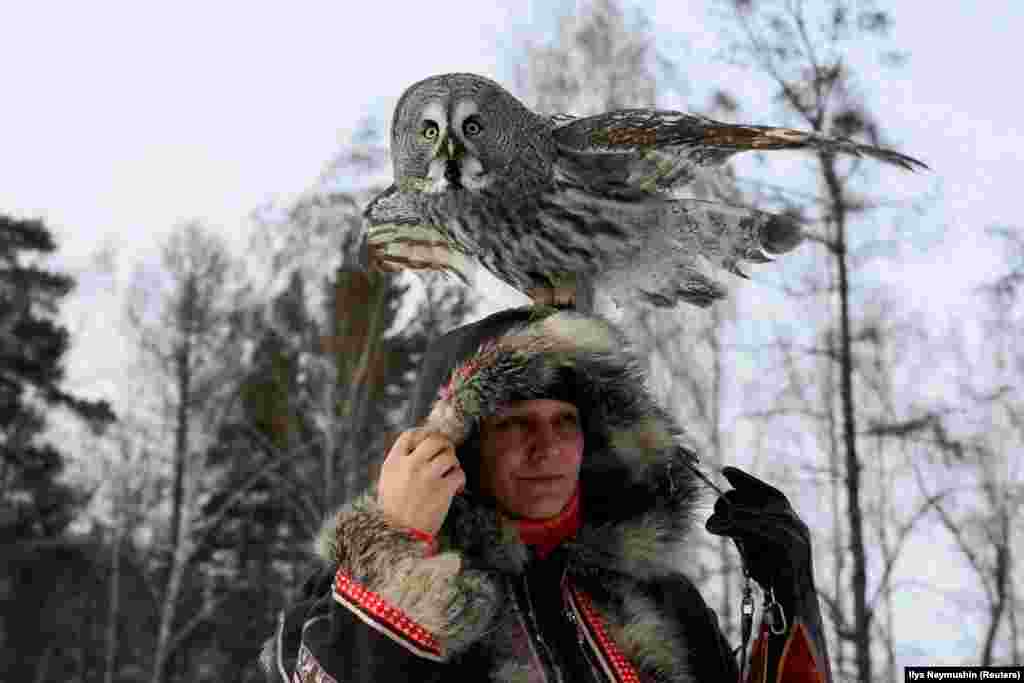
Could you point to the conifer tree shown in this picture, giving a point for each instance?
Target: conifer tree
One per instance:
(33, 502)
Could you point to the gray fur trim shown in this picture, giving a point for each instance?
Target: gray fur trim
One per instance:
(455, 604)
(480, 532)
(524, 361)
(648, 547)
(647, 638)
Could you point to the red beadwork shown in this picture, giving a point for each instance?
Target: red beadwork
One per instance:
(621, 667)
(392, 618)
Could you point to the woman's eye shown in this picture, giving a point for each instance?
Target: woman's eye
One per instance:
(507, 423)
(430, 130)
(471, 127)
(570, 421)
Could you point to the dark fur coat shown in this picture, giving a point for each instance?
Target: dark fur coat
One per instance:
(638, 501)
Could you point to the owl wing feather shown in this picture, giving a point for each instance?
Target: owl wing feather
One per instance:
(633, 152)
(694, 241)
(678, 246)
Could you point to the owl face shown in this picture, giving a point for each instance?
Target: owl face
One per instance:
(455, 132)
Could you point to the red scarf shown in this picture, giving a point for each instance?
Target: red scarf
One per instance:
(546, 534)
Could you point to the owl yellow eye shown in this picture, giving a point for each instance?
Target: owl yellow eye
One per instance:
(471, 127)
(430, 130)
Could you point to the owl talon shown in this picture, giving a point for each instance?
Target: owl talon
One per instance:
(378, 262)
(558, 297)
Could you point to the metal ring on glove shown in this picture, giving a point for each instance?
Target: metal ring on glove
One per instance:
(776, 616)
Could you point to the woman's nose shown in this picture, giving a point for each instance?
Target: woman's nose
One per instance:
(546, 440)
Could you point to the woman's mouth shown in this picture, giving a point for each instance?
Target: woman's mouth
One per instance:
(548, 479)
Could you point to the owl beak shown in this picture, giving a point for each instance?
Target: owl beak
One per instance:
(449, 149)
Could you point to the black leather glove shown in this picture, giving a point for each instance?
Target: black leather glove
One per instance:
(776, 548)
(773, 540)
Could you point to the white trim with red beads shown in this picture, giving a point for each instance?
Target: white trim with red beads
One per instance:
(376, 612)
(616, 666)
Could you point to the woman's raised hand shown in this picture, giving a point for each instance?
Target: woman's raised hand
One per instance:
(418, 480)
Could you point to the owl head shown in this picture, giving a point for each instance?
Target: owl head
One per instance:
(456, 132)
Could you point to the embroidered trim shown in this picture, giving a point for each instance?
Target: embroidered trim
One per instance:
(392, 622)
(799, 661)
(616, 666)
(308, 669)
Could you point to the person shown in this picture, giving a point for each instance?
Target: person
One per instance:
(531, 525)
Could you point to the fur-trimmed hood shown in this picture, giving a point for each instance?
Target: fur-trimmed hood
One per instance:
(638, 497)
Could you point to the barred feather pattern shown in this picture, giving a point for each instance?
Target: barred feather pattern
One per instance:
(526, 241)
(643, 151)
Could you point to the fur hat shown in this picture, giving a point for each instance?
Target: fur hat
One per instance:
(542, 352)
(515, 355)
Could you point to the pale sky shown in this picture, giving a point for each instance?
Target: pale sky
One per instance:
(120, 120)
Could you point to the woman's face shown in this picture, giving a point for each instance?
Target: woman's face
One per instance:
(530, 456)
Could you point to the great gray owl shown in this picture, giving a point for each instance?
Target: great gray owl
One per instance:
(547, 202)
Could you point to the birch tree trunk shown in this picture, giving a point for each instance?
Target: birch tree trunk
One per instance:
(861, 614)
(172, 594)
(114, 608)
(180, 555)
(839, 618)
(182, 322)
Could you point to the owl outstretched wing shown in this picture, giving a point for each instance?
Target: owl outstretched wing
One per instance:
(635, 152)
